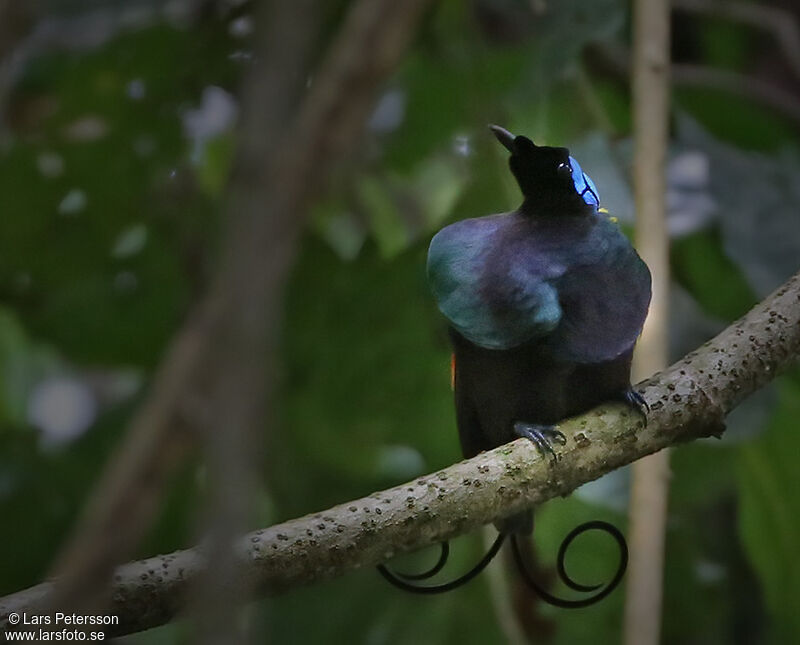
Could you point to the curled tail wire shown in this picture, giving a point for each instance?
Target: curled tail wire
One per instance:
(404, 581)
(606, 589)
(444, 554)
(401, 581)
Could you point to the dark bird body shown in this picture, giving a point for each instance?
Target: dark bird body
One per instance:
(545, 305)
(496, 388)
(580, 352)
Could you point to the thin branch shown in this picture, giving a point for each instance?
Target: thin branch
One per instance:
(748, 87)
(498, 575)
(16, 21)
(615, 59)
(780, 23)
(688, 400)
(237, 386)
(243, 297)
(650, 477)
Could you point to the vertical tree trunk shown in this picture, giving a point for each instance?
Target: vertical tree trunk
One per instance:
(649, 494)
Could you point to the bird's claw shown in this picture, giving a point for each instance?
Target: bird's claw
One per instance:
(542, 436)
(633, 399)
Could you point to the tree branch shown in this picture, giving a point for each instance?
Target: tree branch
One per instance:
(616, 60)
(249, 288)
(688, 400)
(748, 87)
(780, 22)
(647, 525)
(16, 20)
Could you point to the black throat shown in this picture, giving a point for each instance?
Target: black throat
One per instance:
(552, 204)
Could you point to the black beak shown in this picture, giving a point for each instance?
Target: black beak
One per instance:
(503, 136)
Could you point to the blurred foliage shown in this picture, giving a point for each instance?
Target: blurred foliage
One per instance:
(770, 513)
(113, 164)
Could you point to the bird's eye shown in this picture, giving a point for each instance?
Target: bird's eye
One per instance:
(564, 169)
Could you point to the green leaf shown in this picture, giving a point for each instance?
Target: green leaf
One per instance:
(215, 163)
(386, 222)
(22, 363)
(759, 202)
(700, 265)
(768, 480)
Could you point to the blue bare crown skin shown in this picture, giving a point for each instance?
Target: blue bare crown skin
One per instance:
(584, 185)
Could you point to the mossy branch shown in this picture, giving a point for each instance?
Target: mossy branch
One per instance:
(688, 400)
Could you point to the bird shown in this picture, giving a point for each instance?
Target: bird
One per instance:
(544, 305)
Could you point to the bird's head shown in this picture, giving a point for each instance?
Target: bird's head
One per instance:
(548, 177)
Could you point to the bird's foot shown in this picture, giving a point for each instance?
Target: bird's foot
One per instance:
(633, 399)
(542, 436)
